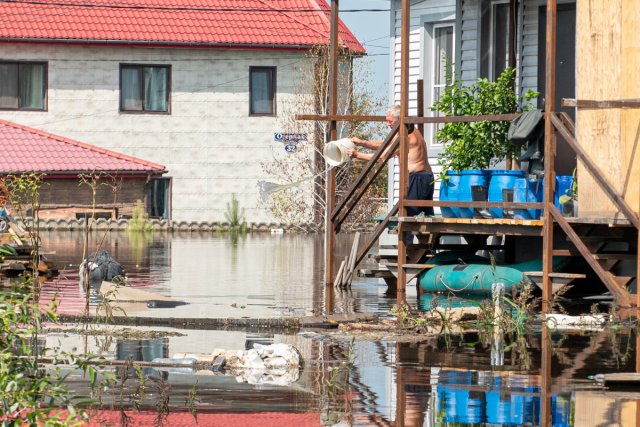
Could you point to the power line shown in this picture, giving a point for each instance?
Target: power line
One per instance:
(185, 9)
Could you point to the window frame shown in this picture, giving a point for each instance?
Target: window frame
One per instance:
(149, 196)
(141, 68)
(434, 60)
(488, 41)
(45, 85)
(273, 90)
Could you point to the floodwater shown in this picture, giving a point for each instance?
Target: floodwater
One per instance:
(454, 380)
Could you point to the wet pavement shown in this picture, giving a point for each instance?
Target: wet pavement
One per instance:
(470, 379)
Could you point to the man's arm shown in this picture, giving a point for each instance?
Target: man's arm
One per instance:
(372, 145)
(355, 154)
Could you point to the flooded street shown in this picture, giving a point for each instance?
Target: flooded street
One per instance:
(446, 380)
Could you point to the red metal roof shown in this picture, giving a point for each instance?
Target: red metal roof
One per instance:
(273, 24)
(25, 149)
(185, 419)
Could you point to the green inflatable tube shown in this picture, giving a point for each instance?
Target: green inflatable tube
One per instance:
(470, 278)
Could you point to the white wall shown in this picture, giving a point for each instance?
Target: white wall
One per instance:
(209, 144)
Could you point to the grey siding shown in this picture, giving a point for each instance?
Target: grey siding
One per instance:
(422, 13)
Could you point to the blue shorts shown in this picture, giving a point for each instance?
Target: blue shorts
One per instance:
(420, 188)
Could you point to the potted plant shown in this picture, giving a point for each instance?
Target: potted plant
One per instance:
(476, 146)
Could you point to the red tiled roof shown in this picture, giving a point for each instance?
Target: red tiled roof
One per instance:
(185, 419)
(25, 149)
(216, 23)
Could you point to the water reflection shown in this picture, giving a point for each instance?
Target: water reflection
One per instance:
(466, 379)
(443, 381)
(256, 275)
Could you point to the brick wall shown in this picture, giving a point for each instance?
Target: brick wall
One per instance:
(63, 198)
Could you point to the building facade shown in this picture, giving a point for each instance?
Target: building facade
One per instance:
(199, 90)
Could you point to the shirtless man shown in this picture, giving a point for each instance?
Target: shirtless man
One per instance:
(420, 174)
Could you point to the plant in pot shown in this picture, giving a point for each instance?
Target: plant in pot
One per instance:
(471, 148)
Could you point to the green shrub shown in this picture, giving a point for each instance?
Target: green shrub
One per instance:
(477, 145)
(140, 219)
(235, 216)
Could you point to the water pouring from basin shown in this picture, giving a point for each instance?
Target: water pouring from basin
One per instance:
(335, 152)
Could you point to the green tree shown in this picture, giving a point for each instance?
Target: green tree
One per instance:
(477, 145)
(304, 201)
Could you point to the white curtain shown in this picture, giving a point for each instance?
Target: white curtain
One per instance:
(130, 99)
(261, 102)
(32, 86)
(155, 88)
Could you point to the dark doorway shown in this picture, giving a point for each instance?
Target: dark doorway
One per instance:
(159, 198)
(565, 73)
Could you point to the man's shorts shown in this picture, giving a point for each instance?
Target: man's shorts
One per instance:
(420, 188)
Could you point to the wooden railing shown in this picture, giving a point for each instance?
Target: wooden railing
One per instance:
(563, 124)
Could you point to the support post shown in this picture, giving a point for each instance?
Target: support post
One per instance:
(512, 163)
(420, 106)
(404, 147)
(330, 231)
(546, 378)
(549, 156)
(401, 394)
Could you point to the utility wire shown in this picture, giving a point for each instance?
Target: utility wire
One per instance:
(182, 8)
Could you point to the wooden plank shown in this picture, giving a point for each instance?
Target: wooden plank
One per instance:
(487, 221)
(627, 378)
(375, 234)
(601, 184)
(598, 256)
(352, 258)
(463, 119)
(410, 270)
(476, 204)
(549, 168)
(484, 229)
(362, 182)
(415, 120)
(330, 231)
(621, 294)
(607, 54)
(612, 103)
(340, 118)
(557, 275)
(405, 23)
(338, 281)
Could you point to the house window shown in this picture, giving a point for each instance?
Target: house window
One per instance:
(262, 90)
(23, 85)
(443, 38)
(494, 39)
(159, 198)
(144, 88)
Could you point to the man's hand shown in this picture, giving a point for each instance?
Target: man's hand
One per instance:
(353, 153)
(358, 141)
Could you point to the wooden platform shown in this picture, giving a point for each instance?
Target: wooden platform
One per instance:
(494, 226)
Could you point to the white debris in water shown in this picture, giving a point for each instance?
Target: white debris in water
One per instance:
(583, 322)
(277, 364)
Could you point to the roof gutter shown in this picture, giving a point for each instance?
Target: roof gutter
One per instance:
(156, 44)
(75, 174)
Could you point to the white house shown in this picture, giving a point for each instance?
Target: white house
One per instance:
(475, 35)
(195, 86)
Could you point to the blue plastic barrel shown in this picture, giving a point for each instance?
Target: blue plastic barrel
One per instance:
(564, 183)
(449, 192)
(527, 191)
(501, 180)
(467, 179)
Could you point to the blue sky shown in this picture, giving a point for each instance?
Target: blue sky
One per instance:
(372, 30)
